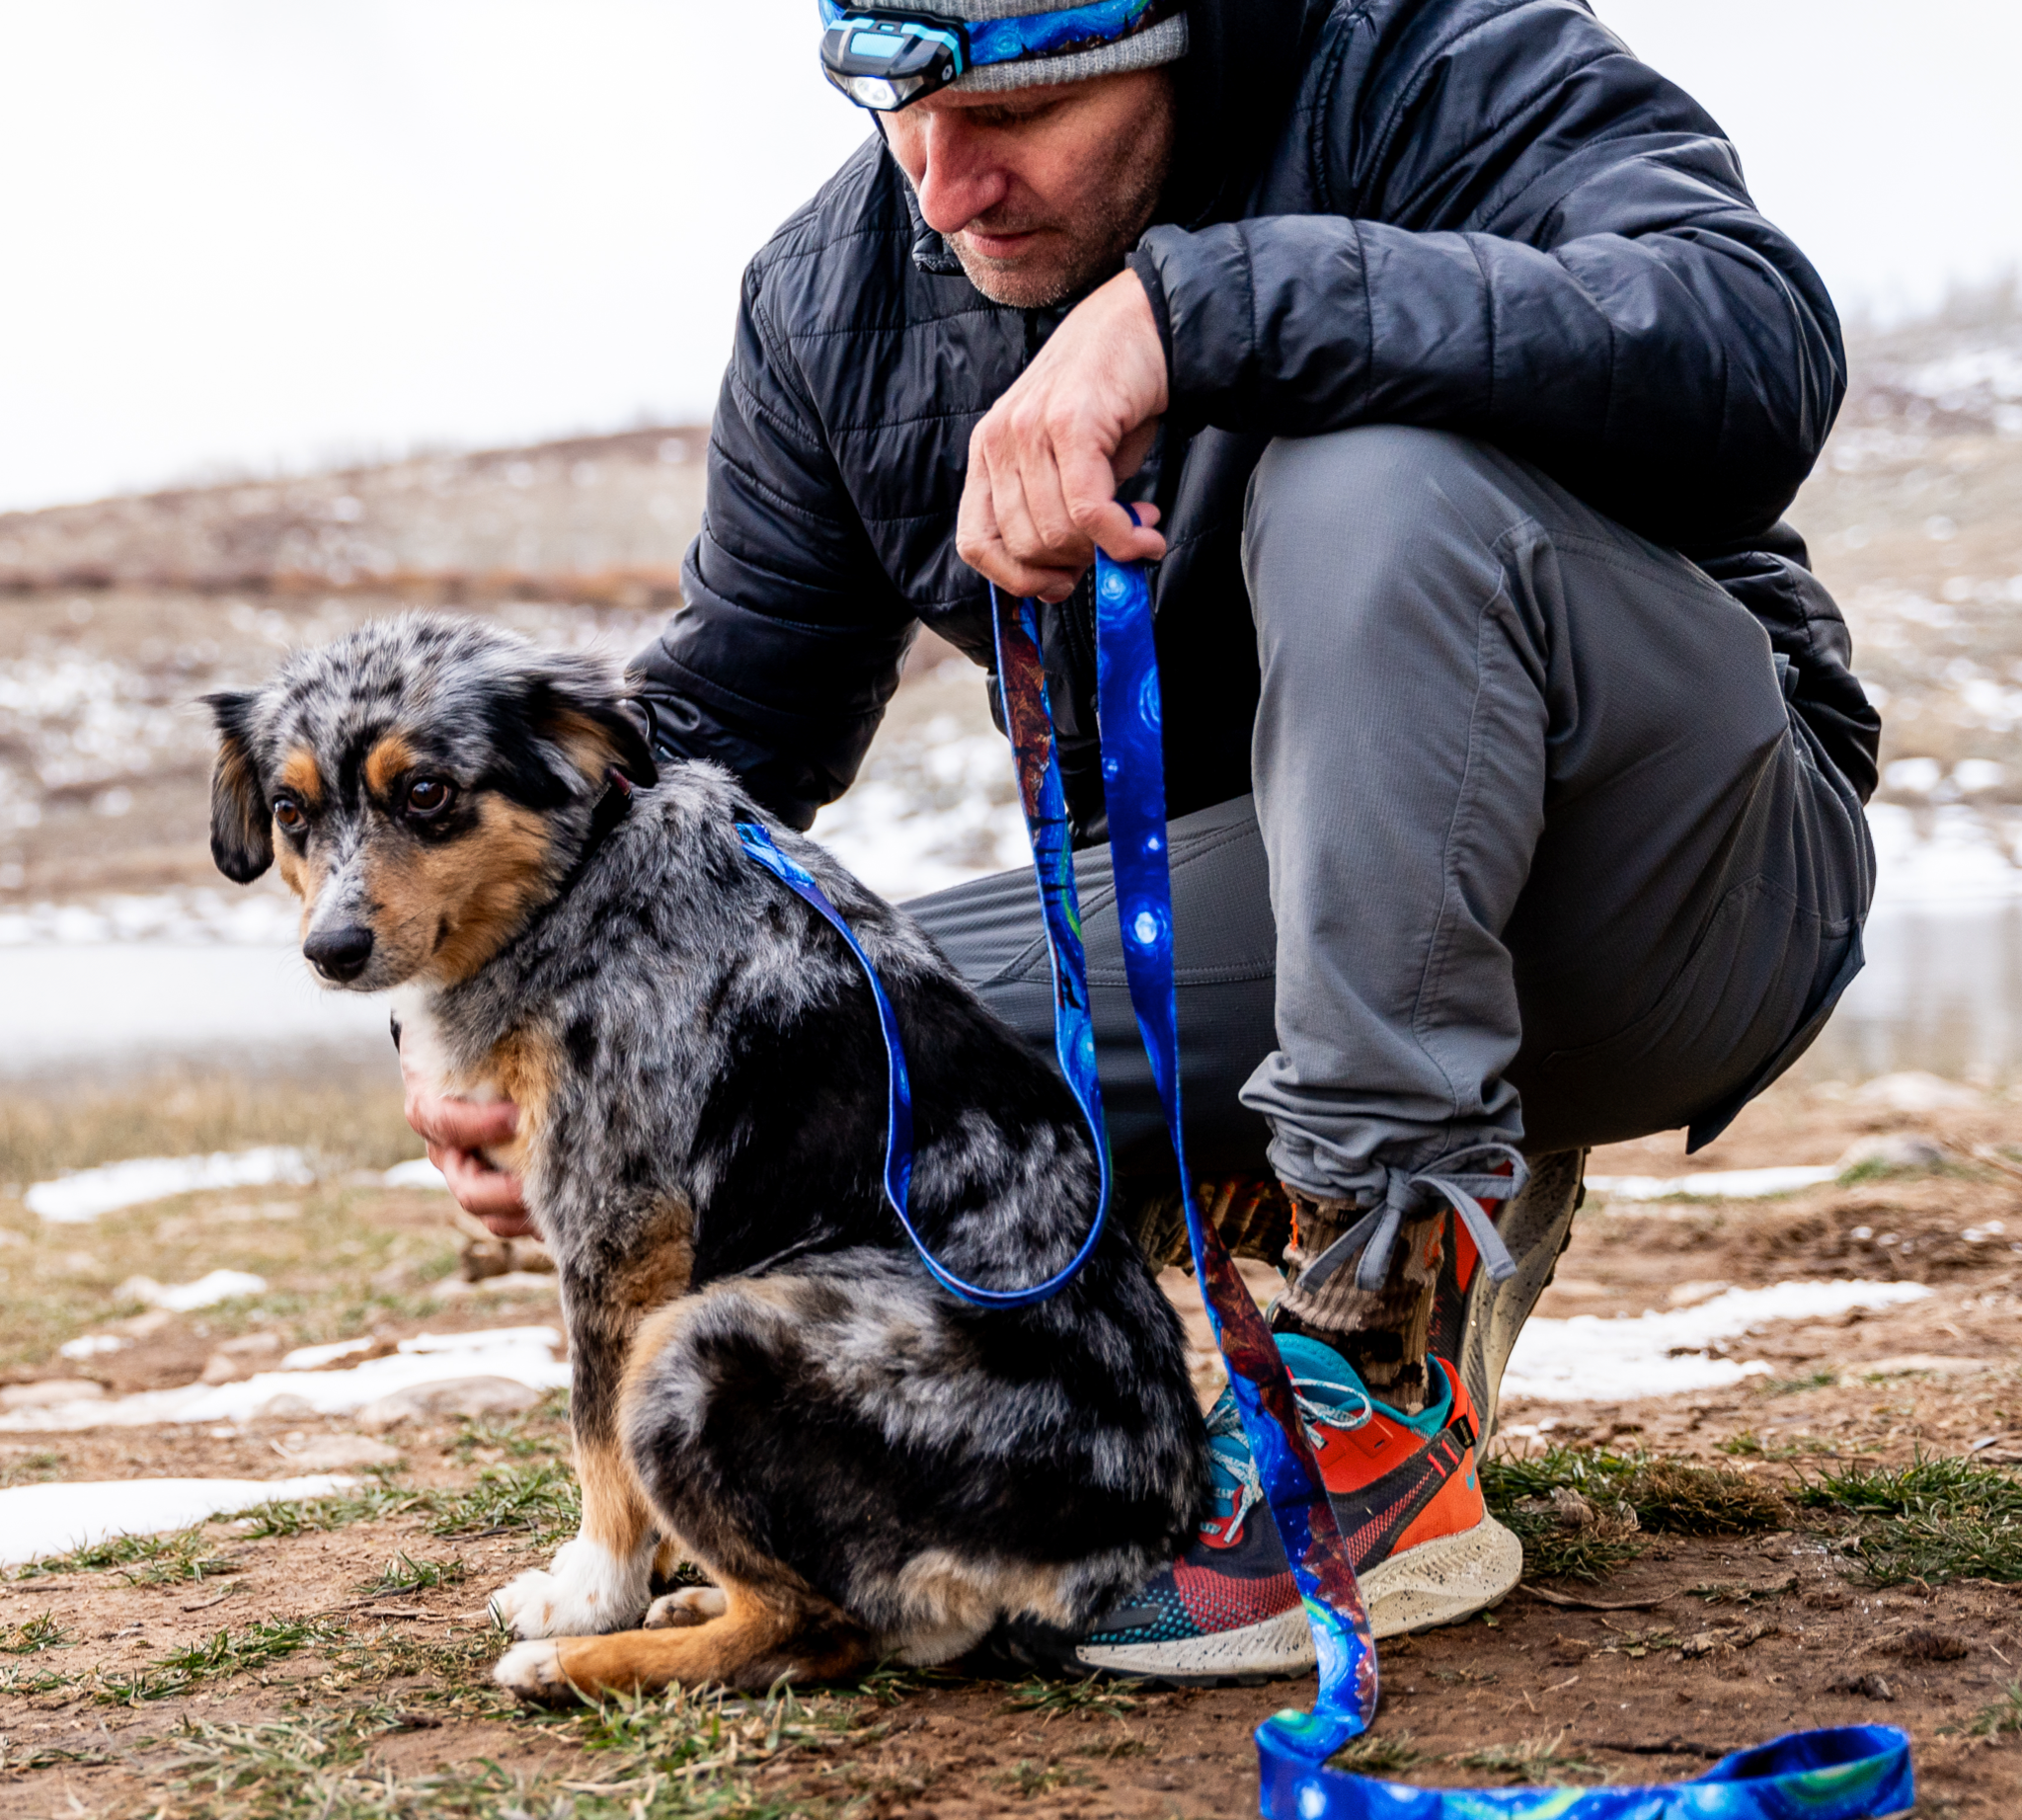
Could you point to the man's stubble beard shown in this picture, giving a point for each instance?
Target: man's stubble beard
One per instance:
(1096, 251)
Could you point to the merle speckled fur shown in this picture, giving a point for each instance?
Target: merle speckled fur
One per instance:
(819, 1411)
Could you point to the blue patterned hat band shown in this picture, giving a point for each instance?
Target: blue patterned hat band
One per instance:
(888, 56)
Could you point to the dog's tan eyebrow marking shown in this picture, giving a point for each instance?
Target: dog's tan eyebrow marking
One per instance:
(300, 778)
(386, 761)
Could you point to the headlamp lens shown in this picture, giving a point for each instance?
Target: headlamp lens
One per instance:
(883, 63)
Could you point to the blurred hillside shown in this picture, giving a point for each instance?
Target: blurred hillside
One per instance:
(1914, 519)
(114, 616)
(596, 517)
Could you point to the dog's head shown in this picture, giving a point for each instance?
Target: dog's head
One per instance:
(423, 783)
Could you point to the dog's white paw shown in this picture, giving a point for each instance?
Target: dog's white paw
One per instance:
(588, 1589)
(532, 1671)
(692, 1605)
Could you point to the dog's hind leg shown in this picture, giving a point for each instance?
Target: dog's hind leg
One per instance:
(763, 1634)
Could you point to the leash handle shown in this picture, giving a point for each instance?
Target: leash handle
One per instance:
(760, 846)
(1849, 1773)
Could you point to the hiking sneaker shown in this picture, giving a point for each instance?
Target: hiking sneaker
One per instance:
(1408, 1499)
(1475, 1320)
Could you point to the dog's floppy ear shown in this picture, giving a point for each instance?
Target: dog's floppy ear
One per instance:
(595, 720)
(241, 830)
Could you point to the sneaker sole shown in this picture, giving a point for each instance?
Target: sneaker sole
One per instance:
(1438, 1582)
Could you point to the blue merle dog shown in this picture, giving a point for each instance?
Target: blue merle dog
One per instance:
(767, 1383)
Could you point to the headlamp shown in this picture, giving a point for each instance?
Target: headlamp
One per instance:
(888, 60)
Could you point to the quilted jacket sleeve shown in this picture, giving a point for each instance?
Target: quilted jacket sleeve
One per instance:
(781, 662)
(1523, 234)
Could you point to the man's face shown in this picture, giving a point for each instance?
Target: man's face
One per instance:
(1041, 191)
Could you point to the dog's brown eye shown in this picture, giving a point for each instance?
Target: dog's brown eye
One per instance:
(288, 813)
(428, 797)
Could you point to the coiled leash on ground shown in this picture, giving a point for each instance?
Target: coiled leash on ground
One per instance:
(1855, 1773)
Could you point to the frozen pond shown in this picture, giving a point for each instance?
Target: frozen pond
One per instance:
(191, 977)
(65, 1006)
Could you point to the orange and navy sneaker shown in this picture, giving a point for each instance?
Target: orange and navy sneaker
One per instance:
(1407, 1496)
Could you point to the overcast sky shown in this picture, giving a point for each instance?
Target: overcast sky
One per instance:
(247, 233)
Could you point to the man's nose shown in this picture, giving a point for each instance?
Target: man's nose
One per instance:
(960, 180)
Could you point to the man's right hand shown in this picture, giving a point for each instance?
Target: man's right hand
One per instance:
(456, 1131)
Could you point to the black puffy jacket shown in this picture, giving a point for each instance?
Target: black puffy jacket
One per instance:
(1477, 216)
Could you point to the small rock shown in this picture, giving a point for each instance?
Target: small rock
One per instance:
(286, 1407)
(1913, 1091)
(1572, 1510)
(452, 1396)
(1867, 1687)
(49, 1392)
(1688, 1295)
(144, 1326)
(512, 1283)
(242, 1358)
(1898, 1150)
(331, 1452)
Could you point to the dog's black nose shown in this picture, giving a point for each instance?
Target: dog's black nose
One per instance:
(340, 954)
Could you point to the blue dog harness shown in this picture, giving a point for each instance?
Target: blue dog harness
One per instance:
(1856, 1772)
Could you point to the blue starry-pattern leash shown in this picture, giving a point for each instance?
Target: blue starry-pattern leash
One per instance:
(1859, 1773)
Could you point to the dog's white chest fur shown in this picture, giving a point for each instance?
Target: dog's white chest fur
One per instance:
(423, 1051)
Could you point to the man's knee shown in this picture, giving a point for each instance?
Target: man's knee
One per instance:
(1358, 512)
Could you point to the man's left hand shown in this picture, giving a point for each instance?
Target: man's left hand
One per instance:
(1044, 466)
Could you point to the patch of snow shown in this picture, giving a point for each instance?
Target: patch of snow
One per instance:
(1588, 1359)
(526, 1355)
(254, 918)
(40, 1520)
(421, 1173)
(92, 1345)
(183, 1298)
(85, 1194)
(930, 812)
(1712, 1184)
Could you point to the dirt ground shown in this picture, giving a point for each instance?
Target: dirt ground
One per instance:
(330, 1659)
(1851, 1550)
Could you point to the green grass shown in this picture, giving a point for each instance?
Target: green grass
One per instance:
(404, 1574)
(1747, 1445)
(1935, 1520)
(540, 1501)
(354, 1120)
(1370, 1755)
(1095, 1697)
(2000, 1720)
(259, 1645)
(35, 1637)
(146, 1560)
(1536, 1760)
(1668, 1496)
(31, 1469)
(1792, 1387)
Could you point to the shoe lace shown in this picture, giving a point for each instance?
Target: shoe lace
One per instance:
(1224, 1425)
(1463, 1188)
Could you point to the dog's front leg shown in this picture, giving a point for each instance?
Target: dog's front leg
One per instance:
(602, 1580)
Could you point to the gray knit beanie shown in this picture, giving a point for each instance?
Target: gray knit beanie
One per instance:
(1163, 41)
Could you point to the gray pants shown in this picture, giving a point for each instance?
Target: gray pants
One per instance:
(1538, 852)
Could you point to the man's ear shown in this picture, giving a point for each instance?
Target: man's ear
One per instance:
(241, 823)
